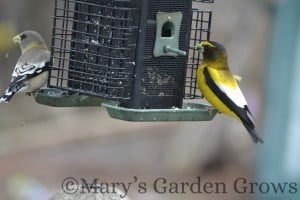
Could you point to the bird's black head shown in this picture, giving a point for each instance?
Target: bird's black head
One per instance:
(212, 50)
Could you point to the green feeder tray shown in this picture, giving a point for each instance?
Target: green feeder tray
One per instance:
(59, 98)
(189, 112)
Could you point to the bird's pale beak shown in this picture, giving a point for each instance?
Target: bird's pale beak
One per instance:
(17, 39)
(199, 46)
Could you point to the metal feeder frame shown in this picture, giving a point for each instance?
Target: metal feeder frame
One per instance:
(96, 59)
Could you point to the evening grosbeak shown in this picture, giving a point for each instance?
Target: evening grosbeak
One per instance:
(219, 86)
(31, 70)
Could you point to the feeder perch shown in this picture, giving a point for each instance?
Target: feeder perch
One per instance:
(134, 57)
(167, 34)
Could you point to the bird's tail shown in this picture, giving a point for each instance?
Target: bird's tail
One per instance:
(251, 129)
(6, 97)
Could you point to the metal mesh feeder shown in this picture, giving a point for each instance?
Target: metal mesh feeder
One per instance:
(136, 56)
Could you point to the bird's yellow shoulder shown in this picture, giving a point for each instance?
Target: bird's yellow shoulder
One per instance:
(220, 76)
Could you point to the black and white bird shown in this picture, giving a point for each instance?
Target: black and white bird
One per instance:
(31, 70)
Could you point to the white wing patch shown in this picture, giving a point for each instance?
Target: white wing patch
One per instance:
(237, 77)
(26, 69)
(235, 94)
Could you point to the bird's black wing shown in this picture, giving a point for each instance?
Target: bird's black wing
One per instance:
(239, 111)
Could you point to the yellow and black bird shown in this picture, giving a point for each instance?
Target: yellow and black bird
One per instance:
(219, 86)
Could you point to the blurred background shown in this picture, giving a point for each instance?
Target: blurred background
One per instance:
(40, 145)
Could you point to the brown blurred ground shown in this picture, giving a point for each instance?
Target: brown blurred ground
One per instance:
(48, 144)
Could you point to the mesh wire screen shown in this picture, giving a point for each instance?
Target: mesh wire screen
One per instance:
(94, 44)
(200, 30)
(93, 47)
(162, 76)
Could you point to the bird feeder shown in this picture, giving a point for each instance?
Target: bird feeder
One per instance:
(134, 57)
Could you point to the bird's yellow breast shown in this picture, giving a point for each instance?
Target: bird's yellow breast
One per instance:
(220, 77)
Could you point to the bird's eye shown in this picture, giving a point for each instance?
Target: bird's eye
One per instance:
(23, 36)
